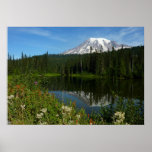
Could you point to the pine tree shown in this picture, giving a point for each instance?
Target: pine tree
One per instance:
(91, 49)
(101, 49)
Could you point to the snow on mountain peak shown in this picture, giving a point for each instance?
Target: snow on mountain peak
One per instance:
(97, 45)
(99, 40)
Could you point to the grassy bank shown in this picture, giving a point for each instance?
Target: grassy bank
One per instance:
(81, 75)
(86, 75)
(52, 74)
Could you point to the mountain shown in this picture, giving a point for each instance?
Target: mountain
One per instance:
(97, 44)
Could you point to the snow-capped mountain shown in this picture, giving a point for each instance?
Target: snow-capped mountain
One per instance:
(95, 45)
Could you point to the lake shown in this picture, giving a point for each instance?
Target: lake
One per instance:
(90, 94)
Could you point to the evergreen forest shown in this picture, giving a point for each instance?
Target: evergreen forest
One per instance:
(126, 63)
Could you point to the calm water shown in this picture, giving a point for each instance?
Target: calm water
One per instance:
(92, 93)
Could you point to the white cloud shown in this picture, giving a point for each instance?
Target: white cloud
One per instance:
(35, 31)
(133, 32)
(41, 32)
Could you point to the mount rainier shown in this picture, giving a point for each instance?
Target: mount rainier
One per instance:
(95, 45)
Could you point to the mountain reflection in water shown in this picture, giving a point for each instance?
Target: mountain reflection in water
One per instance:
(90, 94)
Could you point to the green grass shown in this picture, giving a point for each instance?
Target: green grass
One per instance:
(52, 74)
(86, 75)
(80, 75)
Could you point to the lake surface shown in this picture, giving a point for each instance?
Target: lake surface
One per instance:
(92, 93)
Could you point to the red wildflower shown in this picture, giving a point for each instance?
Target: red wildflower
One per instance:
(18, 86)
(39, 93)
(91, 122)
(74, 103)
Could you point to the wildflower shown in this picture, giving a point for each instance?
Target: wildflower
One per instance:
(39, 116)
(44, 110)
(10, 97)
(102, 120)
(78, 116)
(43, 123)
(22, 107)
(74, 103)
(118, 118)
(64, 114)
(35, 82)
(17, 96)
(67, 109)
(91, 122)
(18, 86)
(63, 107)
(57, 115)
(70, 122)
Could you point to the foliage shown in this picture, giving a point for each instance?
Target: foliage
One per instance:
(30, 103)
(124, 111)
(122, 64)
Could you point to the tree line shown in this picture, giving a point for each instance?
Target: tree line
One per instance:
(123, 63)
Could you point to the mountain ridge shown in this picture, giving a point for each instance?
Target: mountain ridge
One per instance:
(92, 45)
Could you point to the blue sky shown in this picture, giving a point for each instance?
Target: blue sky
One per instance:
(39, 40)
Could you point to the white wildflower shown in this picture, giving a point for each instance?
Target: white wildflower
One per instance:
(70, 122)
(67, 109)
(39, 116)
(63, 107)
(43, 123)
(78, 117)
(57, 115)
(118, 118)
(64, 114)
(10, 97)
(22, 107)
(44, 110)
(64, 120)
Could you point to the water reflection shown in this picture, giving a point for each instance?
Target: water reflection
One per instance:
(92, 93)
